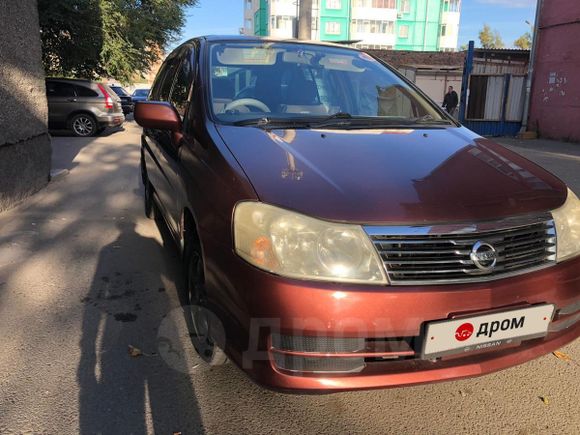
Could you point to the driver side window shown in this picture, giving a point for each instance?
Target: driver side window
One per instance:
(162, 85)
(180, 95)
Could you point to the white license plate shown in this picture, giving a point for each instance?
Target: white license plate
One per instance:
(486, 331)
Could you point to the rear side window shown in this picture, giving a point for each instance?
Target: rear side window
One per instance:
(83, 91)
(180, 94)
(162, 86)
(59, 89)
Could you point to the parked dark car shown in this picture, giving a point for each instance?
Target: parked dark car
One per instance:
(140, 95)
(126, 99)
(340, 231)
(84, 107)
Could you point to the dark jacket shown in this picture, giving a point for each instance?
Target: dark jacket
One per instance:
(451, 100)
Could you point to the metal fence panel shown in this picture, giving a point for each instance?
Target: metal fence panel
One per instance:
(516, 98)
(494, 98)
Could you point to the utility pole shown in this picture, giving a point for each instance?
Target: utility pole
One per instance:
(305, 19)
(530, 78)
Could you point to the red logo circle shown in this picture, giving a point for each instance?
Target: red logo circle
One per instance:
(464, 332)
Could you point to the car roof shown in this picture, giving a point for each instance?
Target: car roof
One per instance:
(248, 38)
(64, 79)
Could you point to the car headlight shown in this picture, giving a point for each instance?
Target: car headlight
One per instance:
(567, 220)
(297, 246)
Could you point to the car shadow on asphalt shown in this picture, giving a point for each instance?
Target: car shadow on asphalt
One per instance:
(125, 385)
(67, 133)
(74, 145)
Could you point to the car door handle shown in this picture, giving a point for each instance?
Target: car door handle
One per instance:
(71, 99)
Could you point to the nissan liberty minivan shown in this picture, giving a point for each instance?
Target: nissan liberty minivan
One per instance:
(339, 231)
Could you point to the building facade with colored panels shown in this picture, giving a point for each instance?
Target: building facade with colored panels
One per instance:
(419, 25)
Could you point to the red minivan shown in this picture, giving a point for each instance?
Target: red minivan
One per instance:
(339, 231)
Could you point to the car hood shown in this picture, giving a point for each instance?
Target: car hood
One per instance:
(391, 176)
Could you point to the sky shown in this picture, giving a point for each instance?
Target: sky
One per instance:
(509, 17)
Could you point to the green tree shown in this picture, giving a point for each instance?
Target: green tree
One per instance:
(490, 38)
(524, 42)
(113, 38)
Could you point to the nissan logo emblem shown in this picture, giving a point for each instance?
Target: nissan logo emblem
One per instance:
(483, 256)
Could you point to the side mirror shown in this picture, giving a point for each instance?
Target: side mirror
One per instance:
(158, 115)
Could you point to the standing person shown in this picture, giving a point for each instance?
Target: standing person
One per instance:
(451, 100)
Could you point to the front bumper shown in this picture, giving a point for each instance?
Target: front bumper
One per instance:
(255, 305)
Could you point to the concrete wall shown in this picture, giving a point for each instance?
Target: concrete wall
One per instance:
(24, 142)
(555, 104)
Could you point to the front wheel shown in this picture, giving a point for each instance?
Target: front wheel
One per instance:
(206, 331)
(83, 125)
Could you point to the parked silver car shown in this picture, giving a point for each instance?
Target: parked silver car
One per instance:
(82, 106)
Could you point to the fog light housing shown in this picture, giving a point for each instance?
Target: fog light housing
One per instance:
(304, 364)
(313, 354)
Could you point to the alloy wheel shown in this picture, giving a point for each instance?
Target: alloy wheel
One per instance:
(83, 126)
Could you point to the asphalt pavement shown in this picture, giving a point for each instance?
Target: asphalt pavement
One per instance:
(84, 276)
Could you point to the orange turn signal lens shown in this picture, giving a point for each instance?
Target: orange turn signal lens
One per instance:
(262, 253)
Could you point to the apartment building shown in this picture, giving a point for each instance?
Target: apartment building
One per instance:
(417, 25)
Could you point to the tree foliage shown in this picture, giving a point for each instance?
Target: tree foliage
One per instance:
(524, 42)
(490, 38)
(113, 38)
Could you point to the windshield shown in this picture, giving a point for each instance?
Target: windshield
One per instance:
(287, 81)
(120, 91)
(141, 92)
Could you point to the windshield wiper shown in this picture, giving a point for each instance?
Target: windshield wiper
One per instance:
(266, 122)
(341, 119)
(253, 121)
(428, 119)
(346, 119)
(310, 122)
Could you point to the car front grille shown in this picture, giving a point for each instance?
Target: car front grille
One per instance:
(443, 253)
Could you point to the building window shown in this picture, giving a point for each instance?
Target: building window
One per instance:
(314, 23)
(373, 26)
(333, 4)
(387, 27)
(248, 4)
(332, 28)
(385, 4)
(454, 5)
(379, 4)
(403, 31)
(405, 6)
(248, 24)
(443, 29)
(281, 22)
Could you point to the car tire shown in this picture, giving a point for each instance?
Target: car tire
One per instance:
(205, 329)
(83, 125)
(148, 200)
